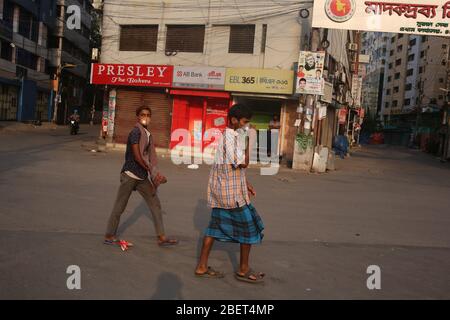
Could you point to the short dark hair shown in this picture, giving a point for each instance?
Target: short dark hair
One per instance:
(240, 111)
(139, 110)
(302, 79)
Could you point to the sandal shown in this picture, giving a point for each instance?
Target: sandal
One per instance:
(124, 245)
(167, 242)
(210, 273)
(250, 273)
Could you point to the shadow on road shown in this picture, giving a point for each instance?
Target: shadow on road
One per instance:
(168, 287)
(201, 219)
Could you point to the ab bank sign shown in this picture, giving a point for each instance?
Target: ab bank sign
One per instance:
(422, 17)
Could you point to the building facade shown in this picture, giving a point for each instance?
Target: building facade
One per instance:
(70, 47)
(210, 56)
(415, 73)
(25, 85)
(374, 44)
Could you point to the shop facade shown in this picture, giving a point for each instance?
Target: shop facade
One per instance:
(267, 92)
(200, 105)
(129, 87)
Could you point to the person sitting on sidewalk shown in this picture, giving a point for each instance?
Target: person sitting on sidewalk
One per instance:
(139, 173)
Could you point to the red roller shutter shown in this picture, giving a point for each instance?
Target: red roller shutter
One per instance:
(128, 100)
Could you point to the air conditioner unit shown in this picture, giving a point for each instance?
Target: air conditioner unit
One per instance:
(352, 46)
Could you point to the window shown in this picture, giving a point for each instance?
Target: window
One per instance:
(397, 75)
(185, 38)
(424, 38)
(411, 57)
(412, 42)
(398, 62)
(441, 97)
(396, 89)
(388, 92)
(408, 87)
(400, 35)
(420, 70)
(444, 46)
(390, 65)
(441, 80)
(26, 59)
(410, 72)
(386, 105)
(422, 53)
(6, 50)
(8, 14)
(28, 25)
(138, 37)
(399, 48)
(391, 53)
(395, 103)
(393, 39)
(407, 102)
(389, 78)
(242, 38)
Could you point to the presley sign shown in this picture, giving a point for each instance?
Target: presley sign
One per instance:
(423, 17)
(199, 77)
(259, 80)
(141, 75)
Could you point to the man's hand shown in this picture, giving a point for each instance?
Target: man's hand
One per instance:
(251, 189)
(159, 179)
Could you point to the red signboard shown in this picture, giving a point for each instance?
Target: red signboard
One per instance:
(140, 75)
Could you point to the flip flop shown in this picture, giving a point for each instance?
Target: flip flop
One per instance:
(168, 243)
(246, 277)
(210, 274)
(124, 245)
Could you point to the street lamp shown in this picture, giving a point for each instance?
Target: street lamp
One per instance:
(58, 89)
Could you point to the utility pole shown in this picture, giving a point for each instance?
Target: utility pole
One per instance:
(59, 87)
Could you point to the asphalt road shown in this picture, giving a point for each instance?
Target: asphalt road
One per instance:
(383, 206)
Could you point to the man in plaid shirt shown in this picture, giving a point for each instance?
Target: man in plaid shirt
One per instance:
(233, 217)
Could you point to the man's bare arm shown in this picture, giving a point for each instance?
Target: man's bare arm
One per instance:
(138, 157)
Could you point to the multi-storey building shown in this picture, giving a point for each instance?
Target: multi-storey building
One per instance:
(25, 85)
(71, 47)
(220, 55)
(373, 44)
(415, 72)
(35, 44)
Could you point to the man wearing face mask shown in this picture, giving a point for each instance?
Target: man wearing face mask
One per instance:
(139, 173)
(233, 217)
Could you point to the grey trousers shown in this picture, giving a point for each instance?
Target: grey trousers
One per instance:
(127, 185)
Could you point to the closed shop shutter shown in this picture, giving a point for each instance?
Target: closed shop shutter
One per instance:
(125, 118)
(128, 100)
(160, 126)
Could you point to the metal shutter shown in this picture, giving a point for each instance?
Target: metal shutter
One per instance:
(128, 100)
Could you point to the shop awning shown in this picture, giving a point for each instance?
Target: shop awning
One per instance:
(198, 93)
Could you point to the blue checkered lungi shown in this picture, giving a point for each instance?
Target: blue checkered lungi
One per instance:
(241, 225)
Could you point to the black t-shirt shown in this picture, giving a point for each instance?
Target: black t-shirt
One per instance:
(131, 164)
